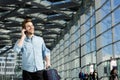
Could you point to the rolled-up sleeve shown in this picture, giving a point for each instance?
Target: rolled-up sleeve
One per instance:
(45, 50)
(17, 48)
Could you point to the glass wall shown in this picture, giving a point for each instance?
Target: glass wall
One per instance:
(92, 40)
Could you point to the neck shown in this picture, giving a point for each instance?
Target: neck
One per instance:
(30, 35)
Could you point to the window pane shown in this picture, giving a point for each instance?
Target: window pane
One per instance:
(87, 15)
(117, 49)
(103, 1)
(93, 45)
(87, 25)
(116, 3)
(88, 47)
(93, 8)
(106, 23)
(87, 36)
(88, 58)
(105, 9)
(93, 20)
(77, 43)
(93, 33)
(116, 16)
(93, 56)
(116, 33)
(77, 34)
(107, 52)
(107, 38)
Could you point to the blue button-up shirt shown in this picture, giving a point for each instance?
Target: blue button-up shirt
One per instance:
(33, 52)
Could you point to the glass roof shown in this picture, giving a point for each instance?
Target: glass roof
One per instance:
(49, 17)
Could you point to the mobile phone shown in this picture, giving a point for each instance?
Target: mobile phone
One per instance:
(25, 32)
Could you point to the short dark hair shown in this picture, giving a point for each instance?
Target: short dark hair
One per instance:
(24, 22)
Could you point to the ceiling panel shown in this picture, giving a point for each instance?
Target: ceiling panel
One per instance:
(49, 17)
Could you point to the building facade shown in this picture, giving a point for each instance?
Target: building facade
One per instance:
(91, 43)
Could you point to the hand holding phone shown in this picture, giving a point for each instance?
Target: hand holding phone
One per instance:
(23, 32)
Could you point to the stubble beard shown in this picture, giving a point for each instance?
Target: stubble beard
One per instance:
(31, 32)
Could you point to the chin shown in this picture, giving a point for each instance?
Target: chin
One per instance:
(31, 33)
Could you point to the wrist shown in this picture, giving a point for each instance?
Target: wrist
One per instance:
(23, 37)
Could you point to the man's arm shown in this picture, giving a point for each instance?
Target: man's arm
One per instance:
(46, 54)
(19, 43)
(47, 59)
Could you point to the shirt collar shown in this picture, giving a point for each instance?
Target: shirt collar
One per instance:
(28, 38)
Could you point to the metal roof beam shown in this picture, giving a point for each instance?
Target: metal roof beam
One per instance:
(64, 4)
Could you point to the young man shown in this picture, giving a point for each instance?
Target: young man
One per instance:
(33, 51)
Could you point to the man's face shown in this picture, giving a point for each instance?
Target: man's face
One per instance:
(29, 27)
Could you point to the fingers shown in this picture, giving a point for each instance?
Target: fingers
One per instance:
(48, 66)
(23, 32)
